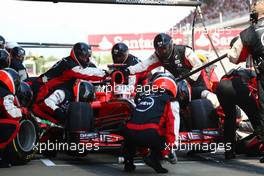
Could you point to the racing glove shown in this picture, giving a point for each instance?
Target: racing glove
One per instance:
(125, 71)
(106, 73)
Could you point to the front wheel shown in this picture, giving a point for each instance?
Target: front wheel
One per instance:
(203, 114)
(80, 119)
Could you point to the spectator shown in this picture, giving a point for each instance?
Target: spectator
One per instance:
(211, 9)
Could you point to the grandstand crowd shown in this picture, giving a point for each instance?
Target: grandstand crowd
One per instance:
(213, 9)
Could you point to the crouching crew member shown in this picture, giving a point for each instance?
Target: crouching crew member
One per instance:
(154, 124)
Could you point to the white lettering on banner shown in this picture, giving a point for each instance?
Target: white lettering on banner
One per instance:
(141, 41)
(118, 39)
(218, 39)
(178, 41)
(135, 44)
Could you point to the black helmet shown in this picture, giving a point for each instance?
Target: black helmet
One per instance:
(10, 79)
(24, 94)
(83, 91)
(18, 53)
(163, 45)
(2, 42)
(4, 59)
(119, 53)
(81, 53)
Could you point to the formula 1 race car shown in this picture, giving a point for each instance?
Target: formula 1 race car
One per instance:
(92, 125)
(98, 124)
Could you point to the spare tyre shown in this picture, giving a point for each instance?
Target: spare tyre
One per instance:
(23, 147)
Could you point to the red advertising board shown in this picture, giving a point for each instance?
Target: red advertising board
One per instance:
(220, 38)
(141, 41)
(144, 41)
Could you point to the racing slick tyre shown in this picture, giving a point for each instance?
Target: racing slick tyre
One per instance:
(203, 114)
(79, 119)
(23, 148)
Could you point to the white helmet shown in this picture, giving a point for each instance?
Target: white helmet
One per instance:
(11, 45)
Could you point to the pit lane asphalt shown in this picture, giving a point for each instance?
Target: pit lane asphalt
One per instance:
(105, 164)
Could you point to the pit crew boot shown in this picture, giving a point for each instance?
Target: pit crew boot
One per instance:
(129, 167)
(261, 160)
(172, 157)
(4, 164)
(261, 149)
(229, 155)
(155, 165)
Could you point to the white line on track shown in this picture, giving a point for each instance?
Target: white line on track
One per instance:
(143, 164)
(49, 163)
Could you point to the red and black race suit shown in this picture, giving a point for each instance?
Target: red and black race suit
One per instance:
(55, 105)
(182, 61)
(155, 112)
(251, 44)
(10, 114)
(63, 71)
(238, 88)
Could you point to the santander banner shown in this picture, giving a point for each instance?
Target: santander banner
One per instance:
(140, 41)
(144, 41)
(221, 39)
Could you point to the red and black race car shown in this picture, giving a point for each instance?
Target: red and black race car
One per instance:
(93, 124)
(98, 124)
